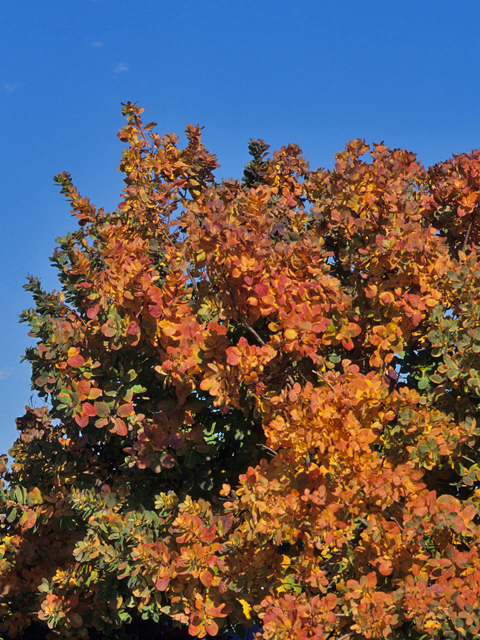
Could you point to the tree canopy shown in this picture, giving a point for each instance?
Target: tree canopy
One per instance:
(262, 402)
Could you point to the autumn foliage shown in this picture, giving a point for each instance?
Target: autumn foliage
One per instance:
(262, 403)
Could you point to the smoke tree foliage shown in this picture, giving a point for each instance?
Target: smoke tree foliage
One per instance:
(262, 403)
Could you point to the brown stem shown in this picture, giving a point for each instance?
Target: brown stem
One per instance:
(192, 279)
(241, 315)
(467, 234)
(142, 133)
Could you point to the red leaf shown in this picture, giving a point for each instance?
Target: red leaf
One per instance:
(176, 440)
(155, 310)
(108, 330)
(93, 311)
(262, 289)
(88, 409)
(82, 421)
(76, 361)
(133, 328)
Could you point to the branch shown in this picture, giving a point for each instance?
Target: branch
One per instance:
(139, 126)
(468, 233)
(192, 279)
(322, 378)
(398, 524)
(241, 315)
(270, 451)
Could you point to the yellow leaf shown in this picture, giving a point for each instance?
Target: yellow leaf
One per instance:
(246, 607)
(285, 561)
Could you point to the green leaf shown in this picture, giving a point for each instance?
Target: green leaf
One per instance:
(103, 410)
(137, 388)
(12, 515)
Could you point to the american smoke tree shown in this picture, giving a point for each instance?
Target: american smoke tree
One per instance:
(262, 404)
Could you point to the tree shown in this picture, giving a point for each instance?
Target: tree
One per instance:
(262, 403)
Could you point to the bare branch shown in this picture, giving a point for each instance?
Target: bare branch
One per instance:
(270, 451)
(322, 378)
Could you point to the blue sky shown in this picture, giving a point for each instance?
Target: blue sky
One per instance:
(312, 72)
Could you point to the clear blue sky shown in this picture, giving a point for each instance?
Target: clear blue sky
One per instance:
(313, 72)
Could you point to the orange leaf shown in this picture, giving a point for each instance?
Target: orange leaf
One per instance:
(206, 578)
(125, 410)
(83, 389)
(94, 394)
(211, 627)
(28, 519)
(233, 356)
(120, 427)
(162, 583)
(385, 568)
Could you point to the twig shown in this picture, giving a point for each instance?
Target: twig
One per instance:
(307, 460)
(194, 284)
(398, 524)
(467, 234)
(322, 378)
(241, 315)
(270, 451)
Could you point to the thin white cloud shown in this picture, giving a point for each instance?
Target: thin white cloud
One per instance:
(120, 68)
(97, 43)
(4, 374)
(10, 87)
